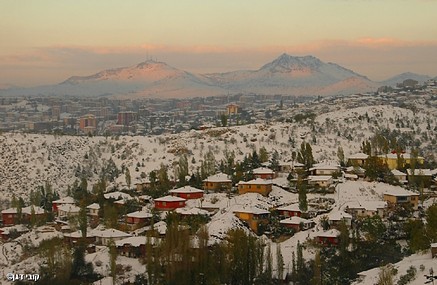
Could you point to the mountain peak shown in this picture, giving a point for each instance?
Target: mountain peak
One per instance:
(151, 63)
(288, 63)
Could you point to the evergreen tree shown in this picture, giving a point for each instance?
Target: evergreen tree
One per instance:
(303, 203)
(182, 170)
(274, 161)
(305, 155)
(112, 260)
(127, 177)
(340, 155)
(255, 161)
(279, 262)
(317, 277)
(263, 155)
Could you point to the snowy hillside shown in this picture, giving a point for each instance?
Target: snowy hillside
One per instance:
(31, 160)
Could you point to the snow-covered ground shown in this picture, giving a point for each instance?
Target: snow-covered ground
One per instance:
(30, 160)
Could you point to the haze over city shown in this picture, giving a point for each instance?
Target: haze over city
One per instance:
(46, 42)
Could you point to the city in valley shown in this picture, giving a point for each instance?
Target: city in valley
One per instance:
(218, 142)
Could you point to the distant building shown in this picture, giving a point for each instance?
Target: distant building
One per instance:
(138, 218)
(232, 109)
(328, 238)
(324, 169)
(63, 201)
(88, 123)
(297, 223)
(359, 209)
(420, 177)
(399, 175)
(399, 196)
(263, 173)
(321, 181)
(392, 160)
(290, 210)
(357, 159)
(126, 118)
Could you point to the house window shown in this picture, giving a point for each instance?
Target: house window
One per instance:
(258, 186)
(181, 204)
(164, 204)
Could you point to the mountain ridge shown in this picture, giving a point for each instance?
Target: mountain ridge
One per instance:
(284, 75)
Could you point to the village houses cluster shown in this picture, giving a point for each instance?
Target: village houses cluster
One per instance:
(188, 201)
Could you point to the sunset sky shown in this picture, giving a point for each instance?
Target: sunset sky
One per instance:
(45, 42)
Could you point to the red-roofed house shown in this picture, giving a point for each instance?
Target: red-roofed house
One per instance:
(168, 203)
(64, 201)
(187, 192)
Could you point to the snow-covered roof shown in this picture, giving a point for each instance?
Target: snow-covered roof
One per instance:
(219, 177)
(396, 172)
(338, 216)
(319, 177)
(325, 166)
(160, 227)
(262, 170)
(69, 208)
(10, 211)
(19, 228)
(295, 220)
(169, 198)
(257, 181)
(37, 210)
(359, 155)
(399, 191)
(65, 200)
(78, 234)
(395, 156)
(93, 206)
(192, 211)
(352, 176)
(293, 207)
(139, 214)
(329, 233)
(135, 241)
(117, 196)
(250, 210)
(111, 233)
(186, 189)
(367, 205)
(420, 172)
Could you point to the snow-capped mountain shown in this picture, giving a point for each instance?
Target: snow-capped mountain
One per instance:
(404, 76)
(286, 75)
(147, 79)
(291, 75)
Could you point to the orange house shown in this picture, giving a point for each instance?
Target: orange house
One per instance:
(258, 185)
(217, 182)
(253, 217)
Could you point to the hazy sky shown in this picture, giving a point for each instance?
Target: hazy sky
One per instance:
(44, 42)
